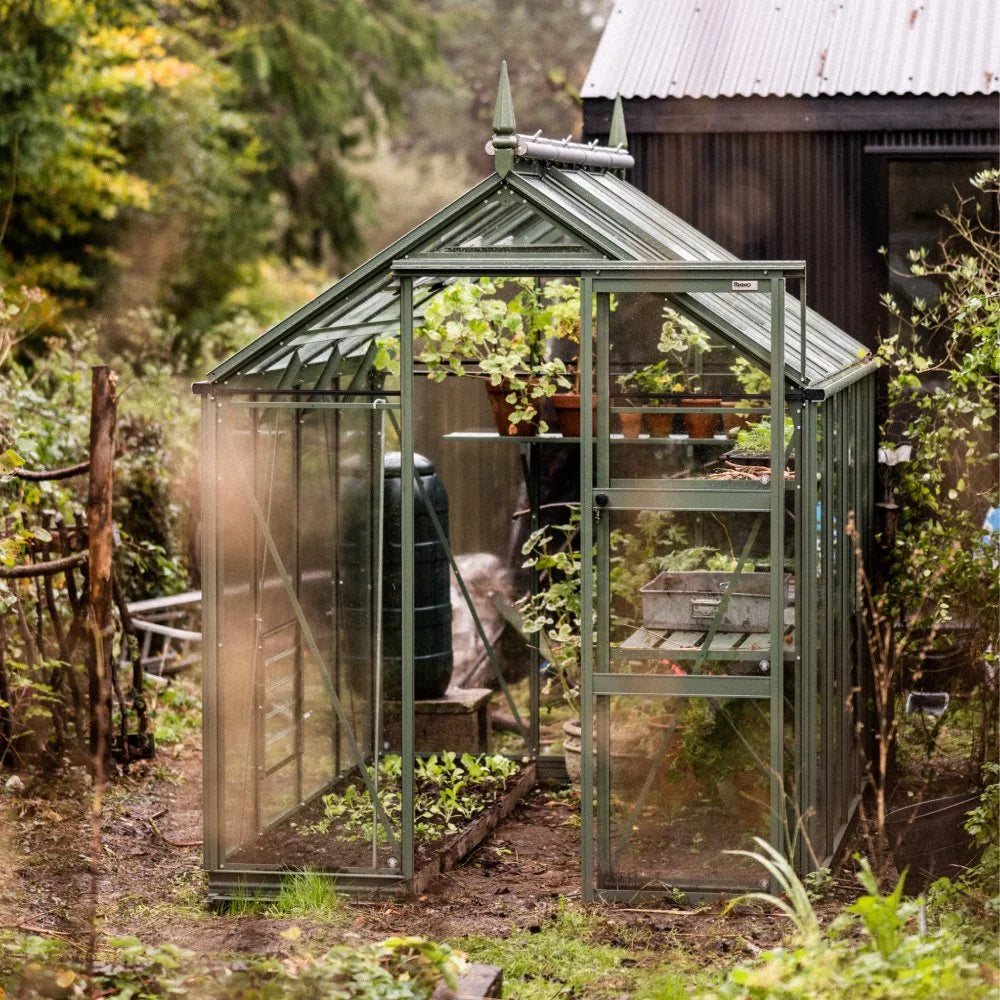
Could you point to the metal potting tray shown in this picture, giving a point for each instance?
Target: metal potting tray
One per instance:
(691, 600)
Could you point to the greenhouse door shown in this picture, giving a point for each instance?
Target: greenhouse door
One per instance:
(686, 568)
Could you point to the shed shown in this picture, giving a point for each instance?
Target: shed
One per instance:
(714, 655)
(811, 129)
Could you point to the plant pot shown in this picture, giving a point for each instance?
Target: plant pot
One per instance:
(502, 410)
(732, 422)
(940, 668)
(659, 424)
(567, 406)
(754, 461)
(701, 425)
(631, 424)
(745, 458)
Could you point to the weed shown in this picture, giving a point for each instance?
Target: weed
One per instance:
(870, 949)
(177, 711)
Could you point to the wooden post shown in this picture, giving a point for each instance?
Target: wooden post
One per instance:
(103, 414)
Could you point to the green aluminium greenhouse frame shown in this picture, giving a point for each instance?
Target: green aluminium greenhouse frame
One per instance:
(552, 210)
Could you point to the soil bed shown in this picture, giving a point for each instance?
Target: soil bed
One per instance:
(295, 844)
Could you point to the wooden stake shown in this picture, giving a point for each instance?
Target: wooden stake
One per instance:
(103, 415)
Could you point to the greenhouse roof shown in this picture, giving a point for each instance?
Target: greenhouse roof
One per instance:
(559, 203)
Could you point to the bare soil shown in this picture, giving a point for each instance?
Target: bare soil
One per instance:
(150, 882)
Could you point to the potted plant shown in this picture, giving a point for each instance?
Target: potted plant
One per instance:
(631, 423)
(684, 343)
(496, 329)
(688, 343)
(753, 381)
(654, 381)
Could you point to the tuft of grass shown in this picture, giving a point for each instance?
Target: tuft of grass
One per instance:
(307, 894)
(302, 894)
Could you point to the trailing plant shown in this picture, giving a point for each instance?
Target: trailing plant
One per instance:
(554, 612)
(496, 329)
(449, 790)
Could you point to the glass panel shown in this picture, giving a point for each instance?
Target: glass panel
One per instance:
(689, 780)
(682, 392)
(299, 730)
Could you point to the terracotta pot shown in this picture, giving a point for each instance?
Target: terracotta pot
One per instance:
(659, 424)
(734, 421)
(701, 425)
(567, 406)
(631, 424)
(502, 410)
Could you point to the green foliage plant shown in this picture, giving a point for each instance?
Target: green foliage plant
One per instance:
(399, 968)
(755, 438)
(873, 948)
(752, 380)
(942, 362)
(682, 342)
(449, 791)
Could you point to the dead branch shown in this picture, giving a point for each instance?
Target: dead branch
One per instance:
(50, 568)
(49, 475)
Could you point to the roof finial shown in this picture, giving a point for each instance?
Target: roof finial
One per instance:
(617, 137)
(504, 126)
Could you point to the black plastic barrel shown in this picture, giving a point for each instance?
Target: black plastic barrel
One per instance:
(433, 660)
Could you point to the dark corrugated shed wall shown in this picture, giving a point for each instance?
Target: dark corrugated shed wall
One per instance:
(794, 195)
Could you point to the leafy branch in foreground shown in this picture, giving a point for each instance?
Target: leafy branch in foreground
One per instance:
(399, 968)
(873, 948)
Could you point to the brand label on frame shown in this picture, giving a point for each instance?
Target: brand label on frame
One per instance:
(744, 286)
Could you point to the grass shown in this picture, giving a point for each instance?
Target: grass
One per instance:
(568, 958)
(302, 894)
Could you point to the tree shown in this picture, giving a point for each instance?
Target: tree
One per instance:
(150, 154)
(548, 48)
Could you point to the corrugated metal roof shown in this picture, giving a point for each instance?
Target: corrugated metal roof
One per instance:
(596, 215)
(797, 48)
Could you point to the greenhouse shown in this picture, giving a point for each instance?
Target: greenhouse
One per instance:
(677, 578)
